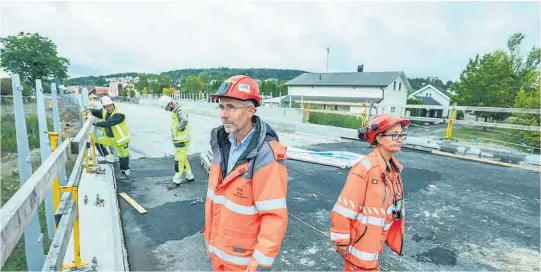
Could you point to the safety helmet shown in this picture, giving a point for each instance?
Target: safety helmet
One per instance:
(378, 124)
(164, 101)
(240, 87)
(106, 100)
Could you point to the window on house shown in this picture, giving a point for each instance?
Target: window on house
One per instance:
(400, 86)
(392, 109)
(426, 94)
(394, 85)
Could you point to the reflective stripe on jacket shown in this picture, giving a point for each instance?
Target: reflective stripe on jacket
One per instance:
(120, 131)
(363, 214)
(245, 210)
(180, 126)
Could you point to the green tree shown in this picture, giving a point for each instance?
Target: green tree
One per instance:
(5, 86)
(168, 91)
(487, 81)
(32, 57)
(192, 84)
(529, 100)
(132, 93)
(495, 79)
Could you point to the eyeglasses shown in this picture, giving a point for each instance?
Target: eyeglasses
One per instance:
(395, 136)
(229, 108)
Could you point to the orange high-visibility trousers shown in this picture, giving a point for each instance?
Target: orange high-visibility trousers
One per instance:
(350, 267)
(217, 265)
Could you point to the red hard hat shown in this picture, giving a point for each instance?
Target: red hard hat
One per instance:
(239, 87)
(378, 124)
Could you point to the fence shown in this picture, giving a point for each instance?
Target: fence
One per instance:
(19, 214)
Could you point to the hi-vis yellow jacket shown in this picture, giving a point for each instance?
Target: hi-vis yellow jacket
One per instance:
(370, 211)
(245, 211)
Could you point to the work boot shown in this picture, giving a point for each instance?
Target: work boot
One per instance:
(110, 158)
(124, 175)
(175, 182)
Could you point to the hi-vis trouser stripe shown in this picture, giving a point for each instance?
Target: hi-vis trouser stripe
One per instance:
(337, 236)
(227, 257)
(123, 137)
(265, 205)
(257, 255)
(365, 219)
(363, 255)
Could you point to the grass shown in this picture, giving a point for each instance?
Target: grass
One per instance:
(10, 182)
(8, 136)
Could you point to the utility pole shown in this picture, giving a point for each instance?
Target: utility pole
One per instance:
(327, 69)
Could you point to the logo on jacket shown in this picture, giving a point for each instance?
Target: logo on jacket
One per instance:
(239, 193)
(374, 181)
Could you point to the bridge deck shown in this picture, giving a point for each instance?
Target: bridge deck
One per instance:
(462, 215)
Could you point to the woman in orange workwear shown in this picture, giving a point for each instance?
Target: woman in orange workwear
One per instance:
(370, 209)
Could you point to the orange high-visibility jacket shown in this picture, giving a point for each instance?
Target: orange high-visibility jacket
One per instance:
(362, 217)
(245, 210)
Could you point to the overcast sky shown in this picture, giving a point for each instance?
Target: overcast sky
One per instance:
(420, 38)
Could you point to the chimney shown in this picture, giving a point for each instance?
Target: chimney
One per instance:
(360, 68)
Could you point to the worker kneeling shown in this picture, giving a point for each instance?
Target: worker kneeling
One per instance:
(370, 209)
(115, 134)
(180, 132)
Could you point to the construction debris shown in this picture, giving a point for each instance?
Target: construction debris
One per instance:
(197, 200)
(340, 159)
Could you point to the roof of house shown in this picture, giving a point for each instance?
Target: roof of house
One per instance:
(345, 79)
(428, 100)
(442, 91)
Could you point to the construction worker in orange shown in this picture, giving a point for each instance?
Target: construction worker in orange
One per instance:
(245, 210)
(370, 209)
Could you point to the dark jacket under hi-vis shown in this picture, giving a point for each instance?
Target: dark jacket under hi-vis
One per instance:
(245, 210)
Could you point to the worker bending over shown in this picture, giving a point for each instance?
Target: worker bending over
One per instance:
(115, 134)
(180, 133)
(245, 210)
(370, 209)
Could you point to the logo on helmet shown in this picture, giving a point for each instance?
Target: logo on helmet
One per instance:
(243, 87)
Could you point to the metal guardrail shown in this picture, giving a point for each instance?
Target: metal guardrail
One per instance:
(18, 211)
(19, 214)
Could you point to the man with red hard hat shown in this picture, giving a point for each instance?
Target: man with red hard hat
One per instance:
(245, 211)
(370, 209)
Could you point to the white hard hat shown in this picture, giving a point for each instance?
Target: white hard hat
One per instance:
(106, 100)
(164, 101)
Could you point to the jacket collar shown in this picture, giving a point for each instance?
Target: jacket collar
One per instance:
(393, 162)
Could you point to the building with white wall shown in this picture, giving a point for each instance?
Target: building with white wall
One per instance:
(388, 91)
(433, 96)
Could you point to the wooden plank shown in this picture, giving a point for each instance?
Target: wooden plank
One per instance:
(497, 125)
(428, 107)
(431, 119)
(18, 211)
(59, 246)
(133, 203)
(500, 163)
(470, 108)
(79, 141)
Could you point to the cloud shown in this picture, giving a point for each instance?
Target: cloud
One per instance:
(420, 38)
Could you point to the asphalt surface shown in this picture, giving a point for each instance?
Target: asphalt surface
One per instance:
(461, 215)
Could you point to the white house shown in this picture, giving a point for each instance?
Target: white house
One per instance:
(434, 96)
(352, 90)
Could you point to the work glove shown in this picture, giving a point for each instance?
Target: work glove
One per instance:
(96, 121)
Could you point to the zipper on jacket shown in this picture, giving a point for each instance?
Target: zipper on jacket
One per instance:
(384, 193)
